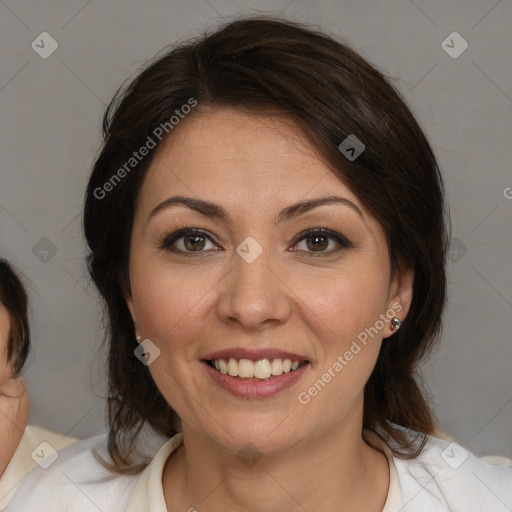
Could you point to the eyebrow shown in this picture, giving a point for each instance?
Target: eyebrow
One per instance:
(210, 209)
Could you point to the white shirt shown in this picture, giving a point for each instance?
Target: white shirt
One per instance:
(443, 478)
(27, 454)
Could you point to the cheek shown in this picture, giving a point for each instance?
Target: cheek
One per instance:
(13, 419)
(344, 315)
(171, 303)
(342, 306)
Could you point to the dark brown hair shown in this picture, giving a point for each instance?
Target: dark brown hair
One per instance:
(14, 299)
(266, 65)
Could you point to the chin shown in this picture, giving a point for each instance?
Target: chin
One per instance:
(257, 435)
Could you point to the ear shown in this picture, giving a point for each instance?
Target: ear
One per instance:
(400, 298)
(131, 307)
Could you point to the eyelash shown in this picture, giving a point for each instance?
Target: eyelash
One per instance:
(343, 242)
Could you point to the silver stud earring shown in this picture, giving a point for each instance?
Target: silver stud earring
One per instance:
(138, 337)
(395, 323)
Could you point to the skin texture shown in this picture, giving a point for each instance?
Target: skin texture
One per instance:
(14, 401)
(303, 456)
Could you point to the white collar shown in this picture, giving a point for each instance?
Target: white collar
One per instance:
(148, 495)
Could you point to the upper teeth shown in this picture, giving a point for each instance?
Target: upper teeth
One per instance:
(262, 369)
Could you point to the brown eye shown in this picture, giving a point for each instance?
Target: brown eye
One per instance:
(319, 239)
(188, 241)
(317, 242)
(194, 242)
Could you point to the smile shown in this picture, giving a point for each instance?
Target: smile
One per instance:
(254, 379)
(263, 369)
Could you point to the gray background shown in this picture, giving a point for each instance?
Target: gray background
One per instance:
(50, 131)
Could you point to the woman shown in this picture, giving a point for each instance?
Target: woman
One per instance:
(14, 347)
(266, 226)
(21, 445)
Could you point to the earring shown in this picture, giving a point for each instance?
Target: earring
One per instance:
(138, 337)
(395, 323)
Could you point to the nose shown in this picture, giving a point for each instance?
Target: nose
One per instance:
(254, 295)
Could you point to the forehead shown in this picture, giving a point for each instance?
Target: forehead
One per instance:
(225, 153)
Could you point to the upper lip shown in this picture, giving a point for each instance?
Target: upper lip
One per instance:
(254, 354)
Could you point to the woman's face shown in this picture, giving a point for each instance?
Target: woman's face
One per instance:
(14, 402)
(253, 285)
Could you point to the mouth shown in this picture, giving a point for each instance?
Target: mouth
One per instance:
(259, 373)
(261, 369)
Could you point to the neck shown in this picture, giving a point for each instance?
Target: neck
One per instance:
(333, 471)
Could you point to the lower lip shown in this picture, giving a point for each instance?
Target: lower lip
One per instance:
(255, 388)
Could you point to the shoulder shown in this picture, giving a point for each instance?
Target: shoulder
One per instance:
(448, 477)
(37, 435)
(72, 480)
(33, 444)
